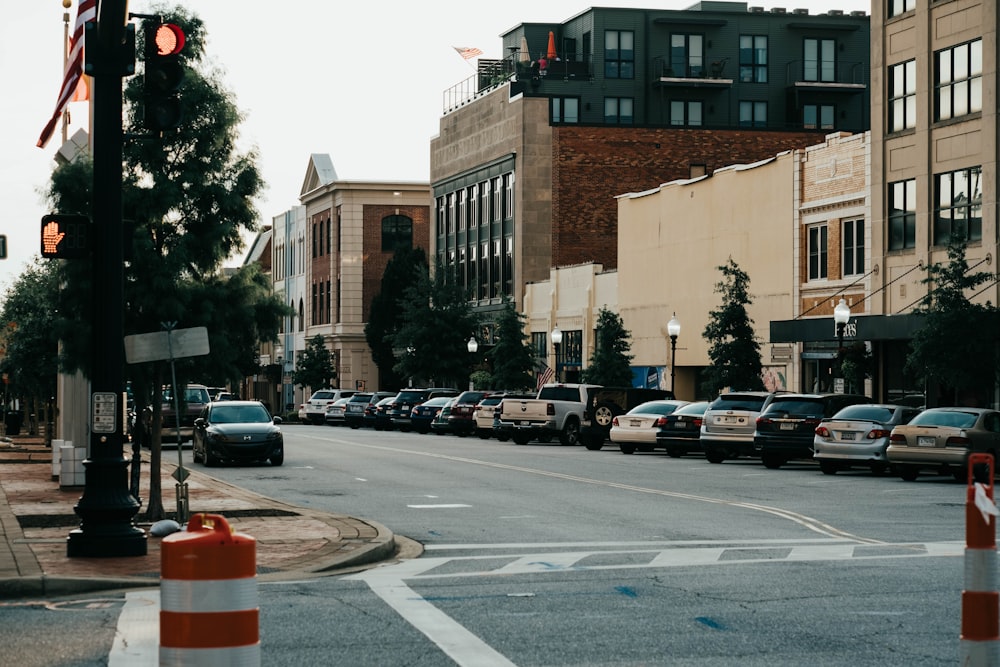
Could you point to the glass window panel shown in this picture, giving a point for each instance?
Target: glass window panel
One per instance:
(676, 113)
(694, 117)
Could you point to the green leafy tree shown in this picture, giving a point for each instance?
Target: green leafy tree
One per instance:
(384, 317)
(314, 367)
(610, 363)
(956, 347)
(513, 357)
(188, 195)
(436, 322)
(734, 350)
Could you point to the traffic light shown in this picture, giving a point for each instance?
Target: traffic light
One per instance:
(65, 236)
(164, 73)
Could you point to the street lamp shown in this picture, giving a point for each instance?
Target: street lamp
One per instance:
(556, 337)
(279, 351)
(673, 330)
(841, 314)
(473, 347)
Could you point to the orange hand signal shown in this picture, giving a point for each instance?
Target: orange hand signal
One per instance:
(51, 236)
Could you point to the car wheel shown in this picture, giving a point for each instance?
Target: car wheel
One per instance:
(571, 433)
(879, 469)
(627, 449)
(194, 453)
(961, 475)
(594, 443)
(772, 462)
(675, 452)
(483, 434)
(277, 459)
(521, 438)
(828, 467)
(907, 473)
(503, 437)
(210, 459)
(714, 456)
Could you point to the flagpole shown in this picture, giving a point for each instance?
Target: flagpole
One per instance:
(66, 5)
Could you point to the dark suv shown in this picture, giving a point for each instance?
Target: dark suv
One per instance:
(727, 427)
(462, 418)
(354, 411)
(399, 409)
(786, 428)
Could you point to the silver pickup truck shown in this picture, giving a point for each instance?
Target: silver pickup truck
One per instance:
(558, 410)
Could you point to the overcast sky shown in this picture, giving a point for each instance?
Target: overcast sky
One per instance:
(360, 82)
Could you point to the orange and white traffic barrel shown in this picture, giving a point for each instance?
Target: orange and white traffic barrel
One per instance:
(209, 611)
(980, 638)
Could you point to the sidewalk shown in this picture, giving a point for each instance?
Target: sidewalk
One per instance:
(36, 517)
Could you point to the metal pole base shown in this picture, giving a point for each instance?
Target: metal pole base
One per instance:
(106, 512)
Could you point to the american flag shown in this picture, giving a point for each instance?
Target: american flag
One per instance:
(87, 11)
(468, 52)
(545, 377)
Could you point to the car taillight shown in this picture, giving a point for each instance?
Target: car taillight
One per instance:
(877, 433)
(697, 421)
(614, 422)
(763, 420)
(958, 441)
(550, 409)
(897, 437)
(660, 421)
(822, 431)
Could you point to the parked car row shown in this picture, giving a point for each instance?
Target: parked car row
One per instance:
(837, 431)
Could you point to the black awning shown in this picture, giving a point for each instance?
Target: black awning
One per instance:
(859, 327)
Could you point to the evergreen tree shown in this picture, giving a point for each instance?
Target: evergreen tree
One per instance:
(436, 322)
(956, 347)
(610, 362)
(513, 357)
(314, 367)
(384, 317)
(734, 350)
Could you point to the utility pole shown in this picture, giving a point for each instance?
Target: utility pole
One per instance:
(107, 509)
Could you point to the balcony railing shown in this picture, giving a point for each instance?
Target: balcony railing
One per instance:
(811, 73)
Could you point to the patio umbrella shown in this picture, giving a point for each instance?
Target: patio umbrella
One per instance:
(525, 55)
(551, 54)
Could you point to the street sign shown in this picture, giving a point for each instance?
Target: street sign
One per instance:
(103, 411)
(156, 346)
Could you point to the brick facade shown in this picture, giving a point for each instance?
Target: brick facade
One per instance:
(374, 259)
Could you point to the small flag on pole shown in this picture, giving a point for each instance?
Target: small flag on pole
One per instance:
(87, 11)
(468, 52)
(545, 377)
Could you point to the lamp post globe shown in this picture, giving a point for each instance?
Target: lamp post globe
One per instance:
(673, 330)
(841, 315)
(556, 336)
(473, 345)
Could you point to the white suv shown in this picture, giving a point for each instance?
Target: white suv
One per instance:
(729, 423)
(321, 399)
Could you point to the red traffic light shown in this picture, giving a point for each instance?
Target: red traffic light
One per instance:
(168, 39)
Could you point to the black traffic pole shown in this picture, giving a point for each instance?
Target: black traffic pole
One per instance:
(107, 509)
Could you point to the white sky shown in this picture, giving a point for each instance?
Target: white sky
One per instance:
(360, 82)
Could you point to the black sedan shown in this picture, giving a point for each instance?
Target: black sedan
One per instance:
(237, 431)
(680, 431)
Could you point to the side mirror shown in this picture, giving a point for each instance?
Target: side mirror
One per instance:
(276, 419)
(199, 422)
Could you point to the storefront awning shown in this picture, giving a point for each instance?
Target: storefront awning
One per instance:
(859, 327)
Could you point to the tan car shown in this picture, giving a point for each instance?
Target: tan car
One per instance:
(941, 439)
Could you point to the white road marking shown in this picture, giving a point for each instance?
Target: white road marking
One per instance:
(137, 636)
(439, 506)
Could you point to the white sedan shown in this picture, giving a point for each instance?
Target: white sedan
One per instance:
(636, 429)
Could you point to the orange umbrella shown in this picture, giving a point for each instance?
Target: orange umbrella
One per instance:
(552, 46)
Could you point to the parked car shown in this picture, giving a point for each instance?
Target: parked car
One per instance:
(302, 413)
(787, 426)
(237, 431)
(441, 424)
(636, 429)
(858, 435)
(488, 415)
(226, 396)
(335, 412)
(423, 414)
(322, 399)
(728, 424)
(192, 400)
(942, 439)
(380, 414)
(680, 431)
(462, 416)
(402, 405)
(354, 411)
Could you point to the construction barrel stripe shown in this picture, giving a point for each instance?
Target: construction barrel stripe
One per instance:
(209, 607)
(980, 637)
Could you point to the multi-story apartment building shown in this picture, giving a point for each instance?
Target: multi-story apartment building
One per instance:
(351, 231)
(527, 164)
(288, 243)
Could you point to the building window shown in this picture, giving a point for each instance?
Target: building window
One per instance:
(565, 109)
(497, 199)
(451, 212)
(817, 252)
(820, 63)
(819, 116)
(508, 196)
(484, 270)
(619, 54)
(959, 209)
(903, 214)
(539, 344)
(686, 113)
(959, 80)
(302, 315)
(315, 309)
(495, 277)
(903, 96)
(485, 198)
(463, 272)
(853, 234)
(329, 303)
(508, 267)
(397, 231)
(687, 56)
(753, 114)
(753, 59)
(618, 110)
(441, 217)
(897, 7)
(473, 273)
(462, 212)
(473, 206)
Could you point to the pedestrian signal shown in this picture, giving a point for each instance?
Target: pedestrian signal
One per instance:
(65, 236)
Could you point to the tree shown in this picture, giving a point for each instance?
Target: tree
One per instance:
(436, 322)
(314, 367)
(610, 362)
(956, 347)
(513, 357)
(384, 317)
(188, 194)
(734, 350)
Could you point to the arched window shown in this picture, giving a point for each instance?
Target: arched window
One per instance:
(302, 315)
(397, 230)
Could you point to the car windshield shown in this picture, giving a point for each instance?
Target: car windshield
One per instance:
(653, 408)
(953, 418)
(738, 402)
(240, 414)
(410, 396)
(319, 395)
(869, 413)
(795, 406)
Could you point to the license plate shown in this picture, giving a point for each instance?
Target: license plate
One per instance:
(525, 423)
(680, 424)
(634, 423)
(926, 441)
(848, 435)
(731, 420)
(785, 426)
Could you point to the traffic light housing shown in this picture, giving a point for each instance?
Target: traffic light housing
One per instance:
(65, 236)
(164, 74)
